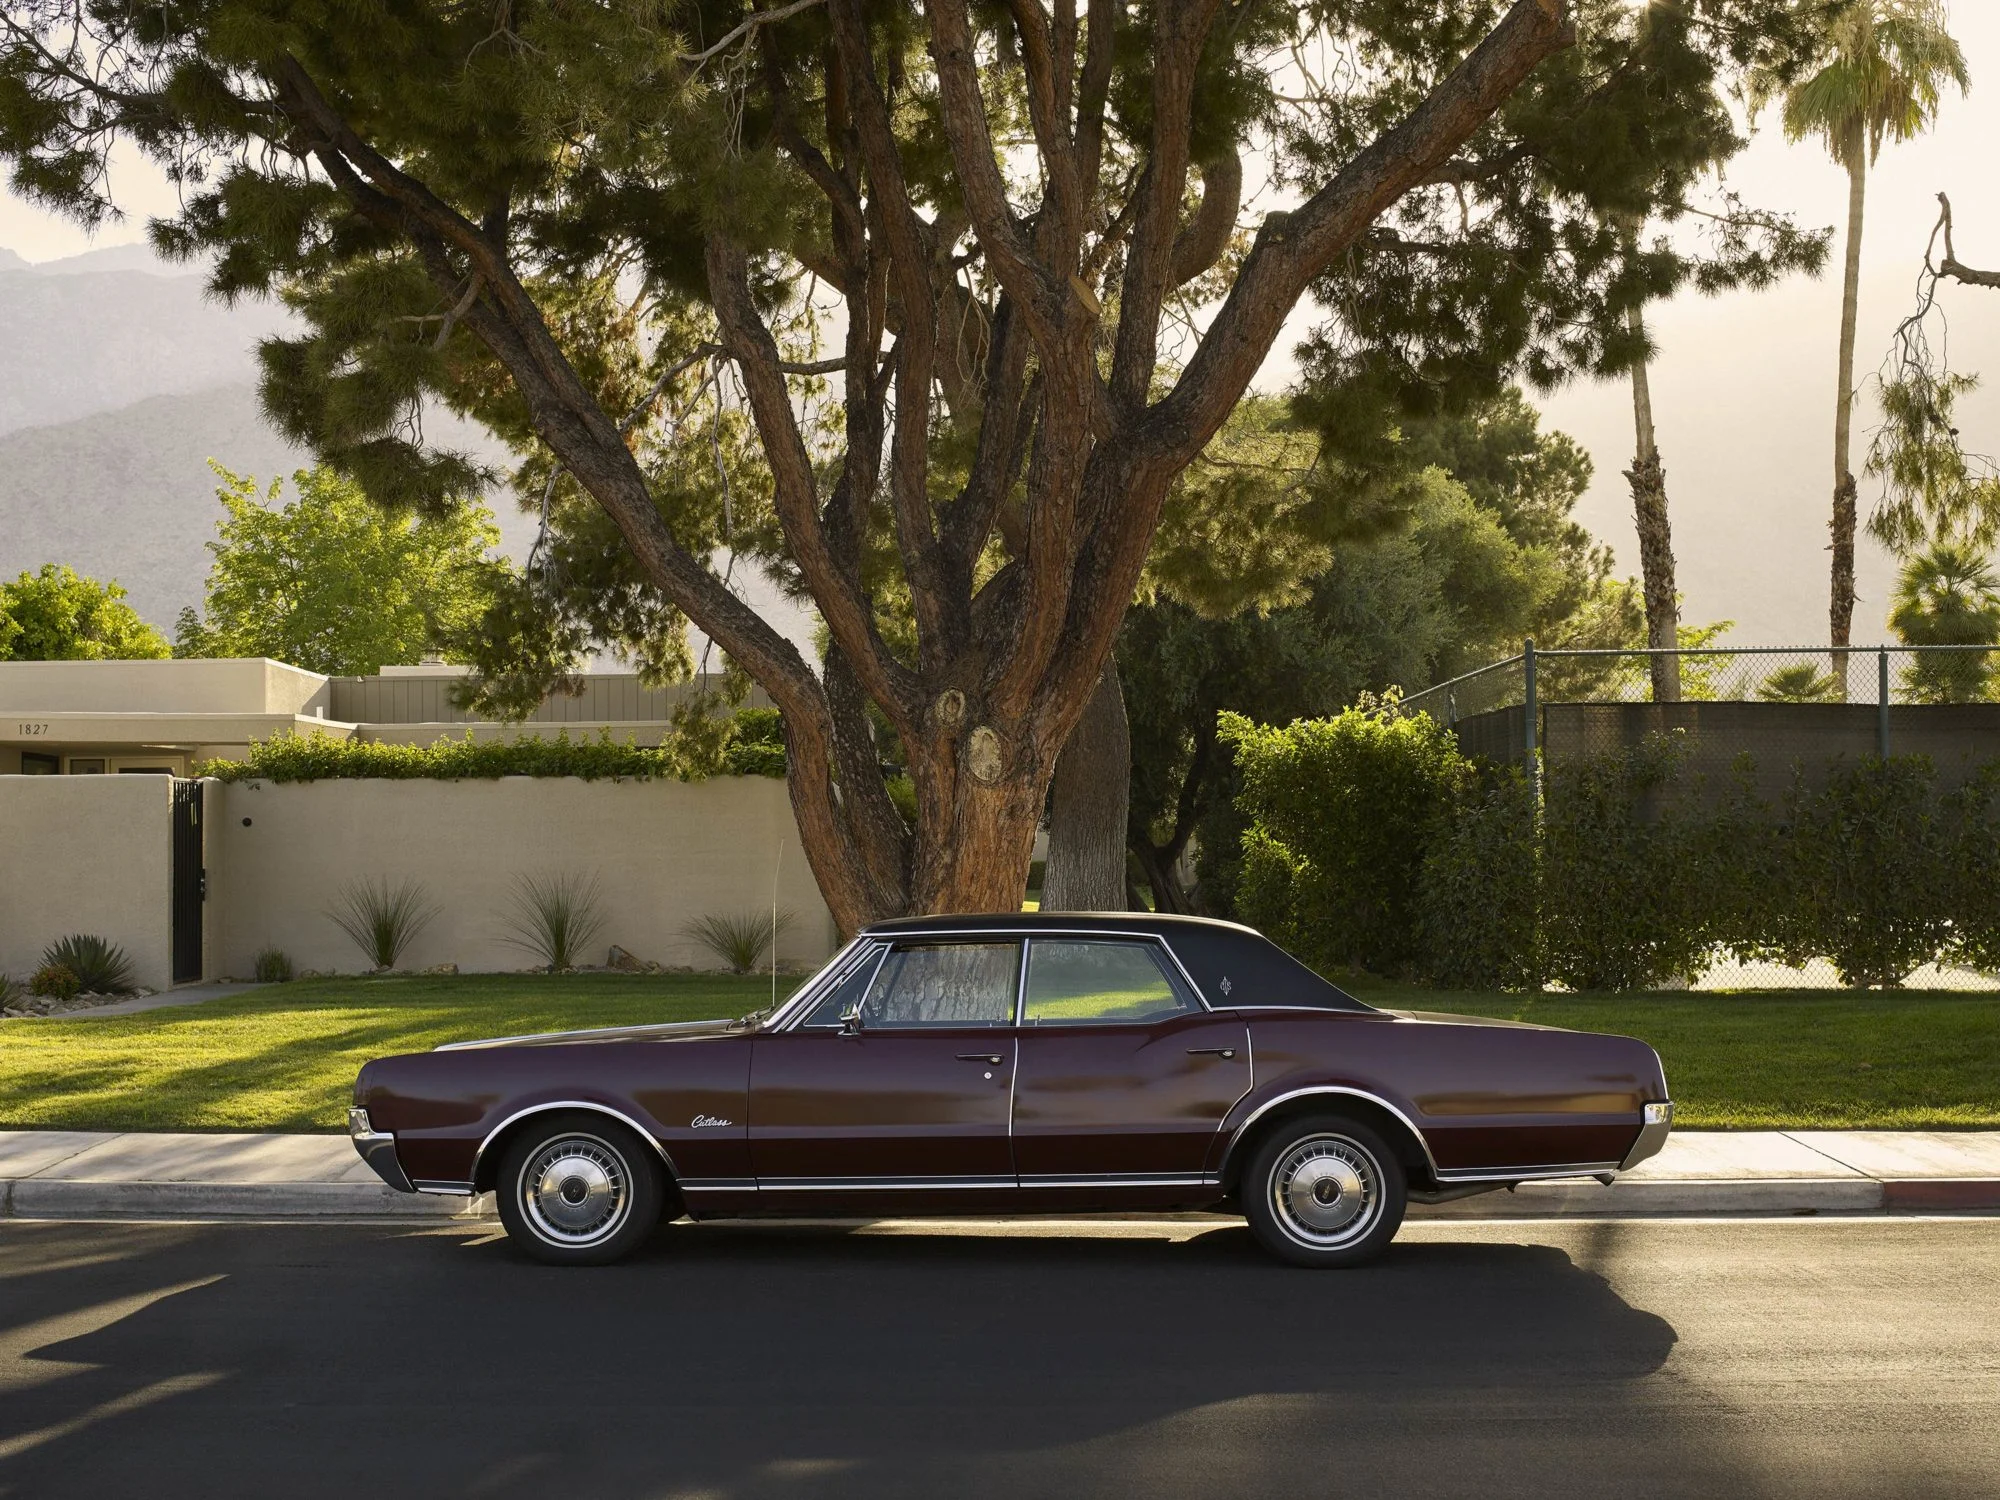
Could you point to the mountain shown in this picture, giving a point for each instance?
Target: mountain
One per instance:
(100, 331)
(128, 494)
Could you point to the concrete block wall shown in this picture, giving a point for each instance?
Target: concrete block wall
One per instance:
(86, 854)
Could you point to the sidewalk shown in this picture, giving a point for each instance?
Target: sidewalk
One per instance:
(49, 1174)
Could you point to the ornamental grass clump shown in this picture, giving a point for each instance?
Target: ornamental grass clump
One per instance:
(739, 940)
(274, 966)
(558, 917)
(381, 918)
(100, 967)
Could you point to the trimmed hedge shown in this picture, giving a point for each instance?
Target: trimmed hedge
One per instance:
(751, 743)
(1373, 843)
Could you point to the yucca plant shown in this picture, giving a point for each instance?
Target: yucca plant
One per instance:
(383, 919)
(557, 916)
(11, 990)
(100, 967)
(739, 940)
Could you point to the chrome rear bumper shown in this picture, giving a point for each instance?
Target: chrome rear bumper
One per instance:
(1659, 1124)
(378, 1149)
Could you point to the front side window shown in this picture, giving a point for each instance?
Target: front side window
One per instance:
(846, 991)
(1078, 981)
(945, 984)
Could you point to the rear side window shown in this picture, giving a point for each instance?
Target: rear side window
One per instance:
(1080, 981)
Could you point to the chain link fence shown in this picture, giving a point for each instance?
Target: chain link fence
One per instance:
(1770, 720)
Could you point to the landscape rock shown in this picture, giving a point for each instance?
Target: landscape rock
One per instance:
(624, 962)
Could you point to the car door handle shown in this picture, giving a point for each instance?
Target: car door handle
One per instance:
(1216, 1051)
(992, 1058)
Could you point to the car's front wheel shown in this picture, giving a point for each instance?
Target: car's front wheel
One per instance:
(1325, 1191)
(579, 1190)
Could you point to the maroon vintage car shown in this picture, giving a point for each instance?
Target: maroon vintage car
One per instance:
(1018, 1064)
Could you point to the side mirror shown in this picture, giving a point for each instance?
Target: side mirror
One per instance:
(850, 1020)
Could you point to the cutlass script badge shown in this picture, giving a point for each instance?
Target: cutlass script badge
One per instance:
(707, 1122)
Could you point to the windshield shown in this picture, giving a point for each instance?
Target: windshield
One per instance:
(829, 973)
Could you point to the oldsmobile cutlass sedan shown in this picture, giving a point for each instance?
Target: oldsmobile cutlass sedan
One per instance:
(1018, 1064)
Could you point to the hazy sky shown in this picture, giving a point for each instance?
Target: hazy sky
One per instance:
(1743, 387)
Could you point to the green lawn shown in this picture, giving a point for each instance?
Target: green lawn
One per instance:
(284, 1058)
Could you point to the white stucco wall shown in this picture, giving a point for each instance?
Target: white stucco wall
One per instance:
(663, 852)
(87, 854)
(250, 685)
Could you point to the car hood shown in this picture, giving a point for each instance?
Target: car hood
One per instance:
(664, 1031)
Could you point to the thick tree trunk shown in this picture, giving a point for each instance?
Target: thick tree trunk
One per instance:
(1087, 807)
(1648, 478)
(1163, 878)
(1841, 611)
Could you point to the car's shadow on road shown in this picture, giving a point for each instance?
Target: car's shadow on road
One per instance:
(728, 1361)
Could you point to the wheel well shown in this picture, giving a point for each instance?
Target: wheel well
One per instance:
(486, 1175)
(1385, 1122)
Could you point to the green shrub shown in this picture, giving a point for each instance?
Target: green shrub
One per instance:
(381, 918)
(752, 744)
(100, 967)
(1972, 872)
(274, 966)
(1481, 889)
(1342, 812)
(1621, 895)
(740, 941)
(56, 982)
(1864, 870)
(11, 990)
(558, 915)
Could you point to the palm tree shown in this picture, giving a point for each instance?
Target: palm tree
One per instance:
(1948, 595)
(1882, 69)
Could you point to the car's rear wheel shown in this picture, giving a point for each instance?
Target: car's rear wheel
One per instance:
(1324, 1191)
(579, 1190)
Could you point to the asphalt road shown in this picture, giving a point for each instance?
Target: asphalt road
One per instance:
(1658, 1359)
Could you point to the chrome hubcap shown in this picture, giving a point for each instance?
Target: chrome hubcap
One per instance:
(1327, 1191)
(576, 1191)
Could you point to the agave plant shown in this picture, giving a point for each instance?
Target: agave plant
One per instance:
(100, 967)
(739, 940)
(558, 916)
(383, 919)
(11, 989)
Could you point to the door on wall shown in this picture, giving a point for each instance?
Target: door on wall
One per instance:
(190, 882)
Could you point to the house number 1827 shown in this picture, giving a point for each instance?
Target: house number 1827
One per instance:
(31, 729)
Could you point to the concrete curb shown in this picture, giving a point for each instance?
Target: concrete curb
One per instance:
(56, 1198)
(308, 1202)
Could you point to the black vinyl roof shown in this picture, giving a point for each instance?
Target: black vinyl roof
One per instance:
(1233, 964)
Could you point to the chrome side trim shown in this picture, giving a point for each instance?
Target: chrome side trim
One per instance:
(879, 1184)
(719, 1185)
(445, 1189)
(554, 1104)
(1329, 1088)
(1119, 1180)
(1526, 1174)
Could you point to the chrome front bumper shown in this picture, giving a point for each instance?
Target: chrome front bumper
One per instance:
(1659, 1124)
(378, 1149)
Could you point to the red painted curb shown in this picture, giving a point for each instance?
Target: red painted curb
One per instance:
(1942, 1192)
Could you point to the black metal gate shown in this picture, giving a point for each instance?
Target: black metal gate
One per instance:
(190, 882)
